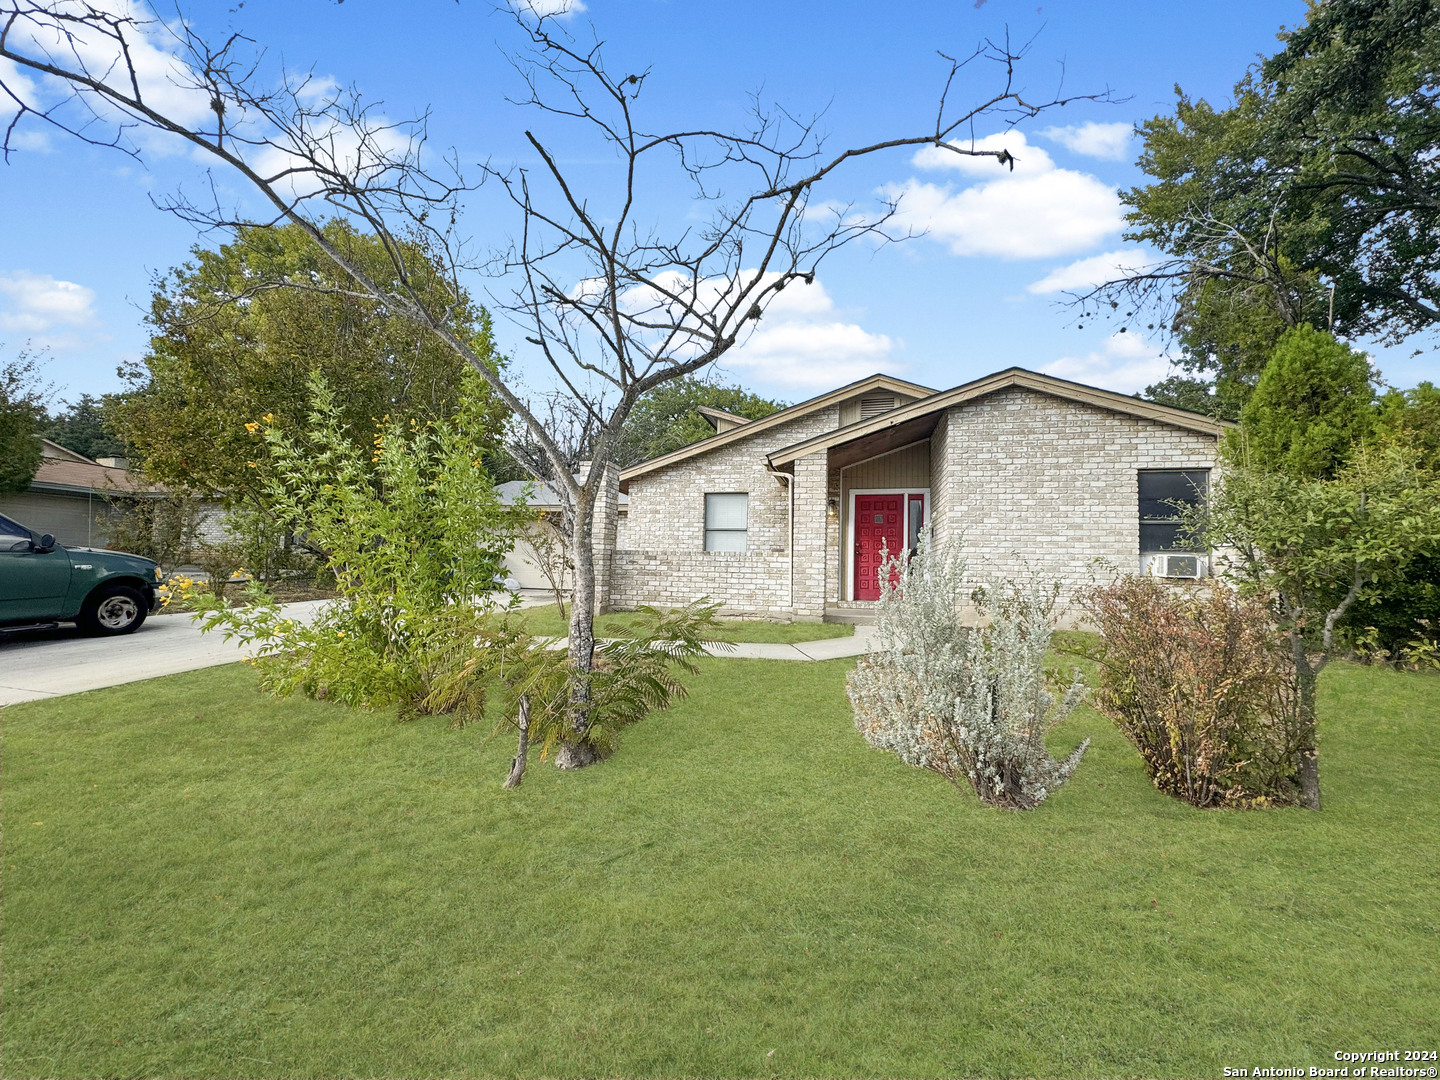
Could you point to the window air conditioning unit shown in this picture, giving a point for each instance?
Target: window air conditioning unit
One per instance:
(1176, 566)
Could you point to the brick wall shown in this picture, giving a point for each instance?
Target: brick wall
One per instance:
(1024, 479)
(1031, 480)
(748, 585)
(663, 560)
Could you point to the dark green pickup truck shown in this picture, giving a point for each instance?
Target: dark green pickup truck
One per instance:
(104, 592)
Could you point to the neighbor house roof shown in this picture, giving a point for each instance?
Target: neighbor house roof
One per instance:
(64, 472)
(916, 411)
(719, 419)
(542, 495)
(784, 416)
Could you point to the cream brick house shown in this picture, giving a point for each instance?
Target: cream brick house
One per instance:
(784, 517)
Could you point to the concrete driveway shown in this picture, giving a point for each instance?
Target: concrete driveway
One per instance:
(38, 664)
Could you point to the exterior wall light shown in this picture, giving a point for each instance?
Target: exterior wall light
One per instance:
(832, 507)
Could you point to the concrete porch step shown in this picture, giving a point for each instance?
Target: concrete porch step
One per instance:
(855, 615)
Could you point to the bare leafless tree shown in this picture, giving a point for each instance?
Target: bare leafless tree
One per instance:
(615, 302)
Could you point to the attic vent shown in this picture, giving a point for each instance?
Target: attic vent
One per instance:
(875, 404)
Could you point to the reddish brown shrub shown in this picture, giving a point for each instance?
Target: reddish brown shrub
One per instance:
(1200, 681)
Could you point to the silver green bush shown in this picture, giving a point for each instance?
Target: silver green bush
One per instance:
(967, 702)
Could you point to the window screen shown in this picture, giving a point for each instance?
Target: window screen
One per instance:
(725, 521)
(1162, 494)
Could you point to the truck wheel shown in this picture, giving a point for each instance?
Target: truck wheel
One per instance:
(111, 610)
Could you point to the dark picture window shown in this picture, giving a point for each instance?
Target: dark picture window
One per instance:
(725, 516)
(1162, 494)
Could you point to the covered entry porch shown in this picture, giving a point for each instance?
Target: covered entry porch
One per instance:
(878, 497)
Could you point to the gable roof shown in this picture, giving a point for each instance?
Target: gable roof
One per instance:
(1002, 380)
(751, 427)
(56, 452)
(65, 472)
(720, 416)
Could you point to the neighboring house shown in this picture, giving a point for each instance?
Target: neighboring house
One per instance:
(523, 563)
(784, 517)
(70, 496)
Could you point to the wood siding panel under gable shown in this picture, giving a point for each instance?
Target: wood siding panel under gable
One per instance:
(908, 467)
(850, 408)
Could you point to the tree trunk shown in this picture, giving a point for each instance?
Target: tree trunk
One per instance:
(517, 765)
(1308, 767)
(576, 752)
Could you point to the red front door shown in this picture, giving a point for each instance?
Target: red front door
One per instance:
(879, 521)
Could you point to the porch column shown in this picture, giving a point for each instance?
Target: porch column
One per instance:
(602, 536)
(807, 568)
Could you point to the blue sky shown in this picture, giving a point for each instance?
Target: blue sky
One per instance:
(80, 239)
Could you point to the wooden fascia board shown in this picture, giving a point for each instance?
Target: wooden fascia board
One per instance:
(804, 408)
(1003, 380)
(720, 414)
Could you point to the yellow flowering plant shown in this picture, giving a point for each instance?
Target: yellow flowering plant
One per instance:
(409, 530)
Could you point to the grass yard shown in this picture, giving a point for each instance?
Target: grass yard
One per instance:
(199, 881)
(546, 621)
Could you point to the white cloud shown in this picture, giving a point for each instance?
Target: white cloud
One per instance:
(803, 343)
(1126, 363)
(168, 85)
(1056, 213)
(1094, 270)
(1108, 141)
(1028, 159)
(549, 9)
(35, 304)
(1034, 211)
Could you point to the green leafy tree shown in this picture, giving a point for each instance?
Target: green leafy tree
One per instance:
(217, 363)
(409, 527)
(82, 427)
(1314, 197)
(1412, 418)
(1226, 297)
(1187, 392)
(668, 417)
(1313, 548)
(21, 411)
(1348, 146)
(1310, 408)
(1407, 610)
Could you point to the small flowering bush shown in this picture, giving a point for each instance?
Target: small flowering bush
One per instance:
(1201, 682)
(410, 531)
(969, 703)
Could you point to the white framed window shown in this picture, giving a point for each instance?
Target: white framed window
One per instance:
(726, 514)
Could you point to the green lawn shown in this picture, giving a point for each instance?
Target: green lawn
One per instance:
(200, 881)
(546, 621)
